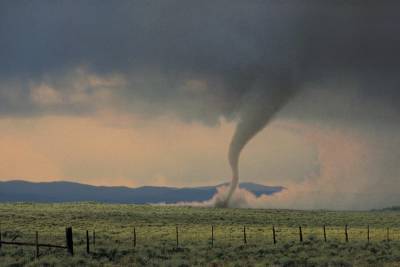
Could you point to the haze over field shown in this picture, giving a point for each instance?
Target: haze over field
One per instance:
(150, 93)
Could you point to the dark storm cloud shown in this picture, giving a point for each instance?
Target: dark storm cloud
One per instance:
(238, 48)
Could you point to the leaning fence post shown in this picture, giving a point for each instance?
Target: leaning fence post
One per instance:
(69, 240)
(177, 237)
(212, 236)
(244, 235)
(324, 233)
(37, 244)
(301, 234)
(368, 233)
(134, 237)
(273, 234)
(346, 234)
(87, 242)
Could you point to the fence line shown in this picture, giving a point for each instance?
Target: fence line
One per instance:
(277, 236)
(37, 245)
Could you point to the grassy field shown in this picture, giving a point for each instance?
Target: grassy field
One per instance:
(156, 236)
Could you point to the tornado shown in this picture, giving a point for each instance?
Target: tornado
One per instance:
(258, 110)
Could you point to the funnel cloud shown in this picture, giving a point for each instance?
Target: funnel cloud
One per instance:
(259, 109)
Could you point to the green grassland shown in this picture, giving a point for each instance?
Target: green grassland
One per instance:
(156, 236)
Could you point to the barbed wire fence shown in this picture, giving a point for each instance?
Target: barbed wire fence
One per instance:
(181, 236)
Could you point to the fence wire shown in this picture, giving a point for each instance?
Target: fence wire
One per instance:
(198, 235)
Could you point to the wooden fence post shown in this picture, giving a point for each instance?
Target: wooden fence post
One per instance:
(69, 240)
(0, 238)
(368, 233)
(37, 244)
(301, 234)
(177, 237)
(244, 235)
(273, 234)
(387, 234)
(94, 238)
(87, 242)
(212, 236)
(346, 234)
(324, 233)
(134, 237)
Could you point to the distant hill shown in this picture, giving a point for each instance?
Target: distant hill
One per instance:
(23, 191)
(393, 208)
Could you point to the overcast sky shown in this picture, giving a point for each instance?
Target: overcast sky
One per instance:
(149, 93)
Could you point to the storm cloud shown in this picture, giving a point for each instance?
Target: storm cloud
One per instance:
(198, 59)
(333, 62)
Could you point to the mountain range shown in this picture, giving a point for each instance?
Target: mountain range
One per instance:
(23, 191)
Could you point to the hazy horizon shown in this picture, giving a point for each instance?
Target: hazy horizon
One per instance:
(144, 185)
